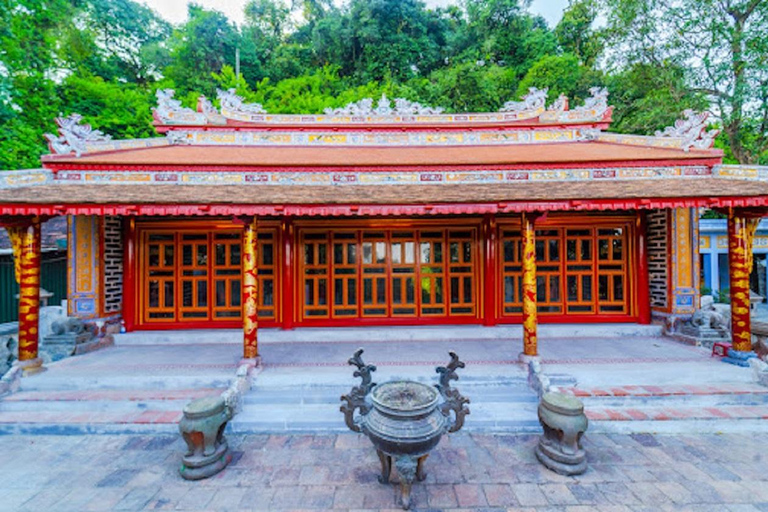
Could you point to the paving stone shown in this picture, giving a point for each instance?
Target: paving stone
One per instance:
(558, 494)
(138, 498)
(587, 494)
(118, 478)
(499, 495)
(529, 495)
(441, 496)
(470, 495)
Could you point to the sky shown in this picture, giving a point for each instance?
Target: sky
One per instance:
(175, 11)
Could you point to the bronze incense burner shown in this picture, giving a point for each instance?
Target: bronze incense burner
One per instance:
(404, 419)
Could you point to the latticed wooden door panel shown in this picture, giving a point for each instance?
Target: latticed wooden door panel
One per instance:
(160, 281)
(194, 275)
(388, 273)
(581, 270)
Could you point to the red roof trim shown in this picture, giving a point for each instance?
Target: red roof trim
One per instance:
(332, 210)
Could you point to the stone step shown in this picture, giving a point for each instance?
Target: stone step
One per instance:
(78, 423)
(712, 420)
(670, 396)
(121, 382)
(103, 400)
(328, 418)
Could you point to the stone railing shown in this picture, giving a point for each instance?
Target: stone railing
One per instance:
(9, 345)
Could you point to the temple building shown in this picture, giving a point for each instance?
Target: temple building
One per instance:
(381, 213)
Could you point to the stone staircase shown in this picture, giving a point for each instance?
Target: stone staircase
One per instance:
(733, 407)
(498, 404)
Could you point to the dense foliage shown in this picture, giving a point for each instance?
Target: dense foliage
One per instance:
(105, 59)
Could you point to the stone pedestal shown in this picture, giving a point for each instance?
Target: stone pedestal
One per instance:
(563, 420)
(202, 428)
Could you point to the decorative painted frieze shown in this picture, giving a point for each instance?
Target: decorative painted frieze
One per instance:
(313, 138)
(74, 136)
(691, 131)
(742, 172)
(170, 111)
(342, 178)
(594, 109)
(532, 103)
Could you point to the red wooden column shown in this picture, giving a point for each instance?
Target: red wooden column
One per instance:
(530, 320)
(741, 231)
(129, 273)
(643, 287)
(250, 289)
(491, 270)
(25, 239)
(287, 285)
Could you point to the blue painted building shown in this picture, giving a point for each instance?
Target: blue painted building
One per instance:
(713, 252)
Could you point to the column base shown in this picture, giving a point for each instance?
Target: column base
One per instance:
(525, 358)
(253, 362)
(739, 358)
(30, 366)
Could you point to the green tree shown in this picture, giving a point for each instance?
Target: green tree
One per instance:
(561, 74)
(721, 44)
(575, 34)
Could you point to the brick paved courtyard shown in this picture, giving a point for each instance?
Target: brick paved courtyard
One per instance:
(319, 472)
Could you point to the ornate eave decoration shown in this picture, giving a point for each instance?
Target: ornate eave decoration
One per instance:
(235, 107)
(691, 130)
(205, 107)
(533, 102)
(384, 107)
(170, 111)
(74, 136)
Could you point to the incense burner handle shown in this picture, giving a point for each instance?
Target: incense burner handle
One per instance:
(356, 398)
(453, 400)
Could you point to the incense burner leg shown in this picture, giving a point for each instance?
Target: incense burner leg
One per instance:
(386, 466)
(406, 468)
(421, 475)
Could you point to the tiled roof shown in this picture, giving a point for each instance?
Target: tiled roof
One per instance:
(183, 156)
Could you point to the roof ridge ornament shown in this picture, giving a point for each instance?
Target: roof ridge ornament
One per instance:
(231, 103)
(205, 106)
(170, 111)
(73, 136)
(691, 130)
(536, 99)
(384, 107)
(598, 102)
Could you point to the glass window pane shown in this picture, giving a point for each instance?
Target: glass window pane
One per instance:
(467, 252)
(381, 290)
(586, 288)
(309, 292)
(221, 293)
(381, 252)
(234, 293)
(617, 249)
(168, 294)
(234, 254)
(186, 255)
(338, 292)
(570, 250)
(426, 290)
(540, 254)
(602, 249)
(268, 254)
(269, 293)
(468, 289)
(367, 252)
(367, 290)
(439, 290)
(509, 289)
(554, 288)
(572, 283)
(309, 254)
(397, 291)
(426, 252)
(541, 288)
(322, 290)
(602, 287)
(455, 286)
(186, 294)
(410, 253)
(202, 255)
(351, 254)
(154, 294)
(618, 288)
(322, 257)
(410, 291)
(586, 250)
(221, 254)
(454, 252)
(352, 291)
(154, 255)
(397, 253)
(168, 259)
(338, 254)
(438, 252)
(554, 250)
(202, 294)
